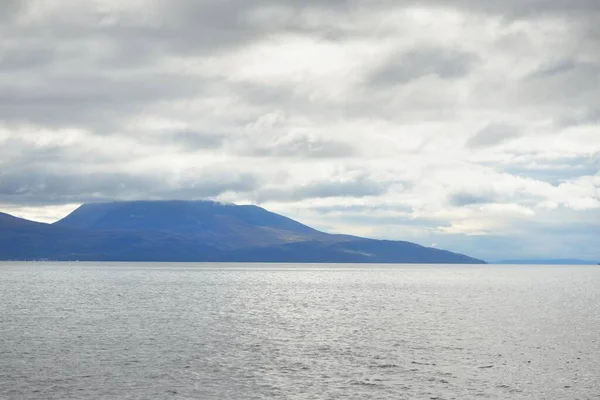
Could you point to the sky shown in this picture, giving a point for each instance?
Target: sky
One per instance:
(472, 126)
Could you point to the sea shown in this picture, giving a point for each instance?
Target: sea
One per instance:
(298, 331)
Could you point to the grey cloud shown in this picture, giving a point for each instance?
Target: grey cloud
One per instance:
(387, 221)
(359, 209)
(96, 101)
(93, 74)
(359, 187)
(10, 9)
(189, 25)
(17, 59)
(212, 182)
(509, 8)
(445, 63)
(589, 70)
(578, 117)
(101, 89)
(114, 60)
(518, 8)
(17, 153)
(31, 186)
(466, 199)
(58, 174)
(568, 87)
(35, 186)
(493, 134)
(375, 216)
(297, 146)
(555, 68)
(474, 197)
(553, 171)
(193, 141)
(181, 27)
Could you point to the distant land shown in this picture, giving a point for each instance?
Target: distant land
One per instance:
(556, 261)
(197, 231)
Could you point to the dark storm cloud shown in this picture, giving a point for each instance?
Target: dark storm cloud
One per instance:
(493, 134)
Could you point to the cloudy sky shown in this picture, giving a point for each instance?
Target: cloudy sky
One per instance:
(467, 125)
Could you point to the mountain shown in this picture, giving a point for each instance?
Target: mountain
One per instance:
(556, 261)
(197, 231)
(224, 226)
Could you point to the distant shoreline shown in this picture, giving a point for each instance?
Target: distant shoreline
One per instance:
(558, 261)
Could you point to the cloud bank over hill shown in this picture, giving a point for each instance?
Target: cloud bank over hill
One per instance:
(472, 125)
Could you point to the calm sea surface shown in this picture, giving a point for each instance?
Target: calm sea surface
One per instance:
(266, 331)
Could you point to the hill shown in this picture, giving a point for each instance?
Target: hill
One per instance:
(197, 231)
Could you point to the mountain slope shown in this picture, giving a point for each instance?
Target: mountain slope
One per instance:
(197, 231)
(357, 250)
(21, 239)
